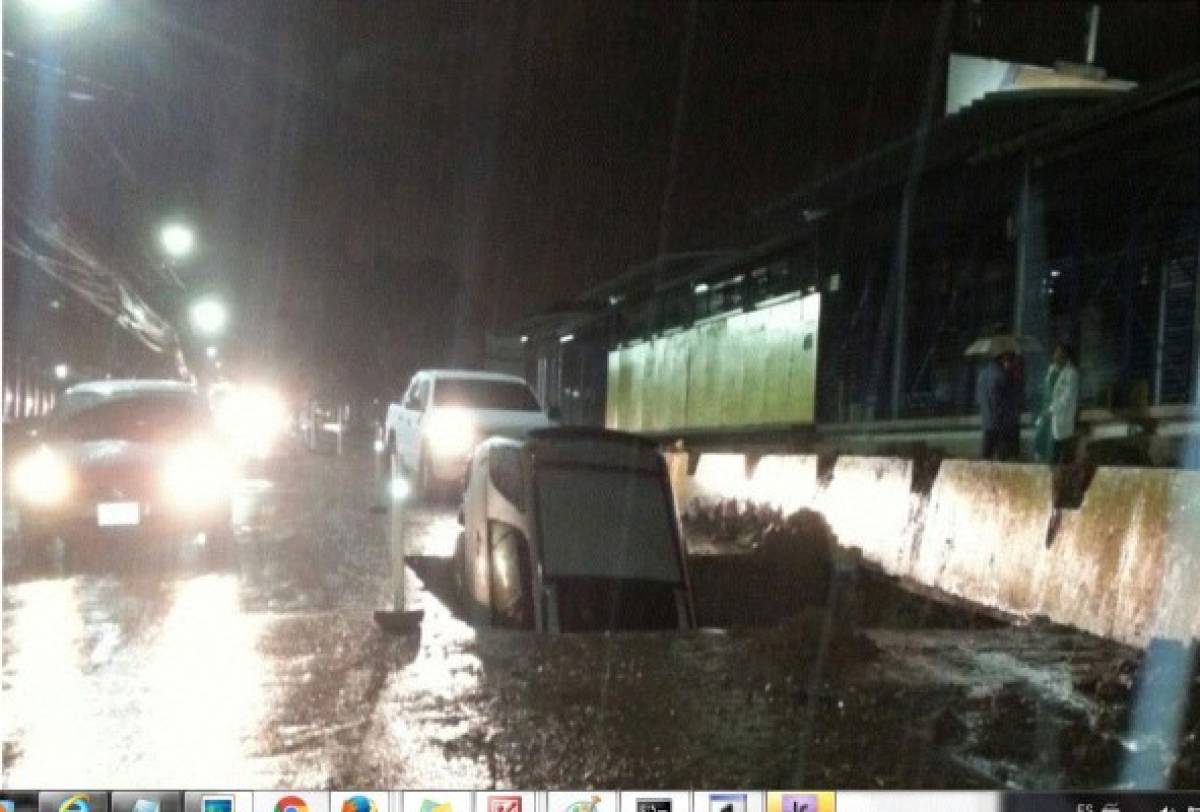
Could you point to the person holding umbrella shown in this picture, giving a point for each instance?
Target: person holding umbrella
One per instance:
(999, 402)
(999, 393)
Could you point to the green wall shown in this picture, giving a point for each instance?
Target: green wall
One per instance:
(745, 369)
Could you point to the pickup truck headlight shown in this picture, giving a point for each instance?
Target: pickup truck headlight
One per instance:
(450, 433)
(42, 478)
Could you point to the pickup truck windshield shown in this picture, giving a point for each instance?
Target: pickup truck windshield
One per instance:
(476, 393)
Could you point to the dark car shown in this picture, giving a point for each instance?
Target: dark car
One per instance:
(138, 459)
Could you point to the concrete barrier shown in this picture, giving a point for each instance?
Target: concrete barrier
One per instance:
(1177, 610)
(869, 504)
(717, 476)
(677, 471)
(1124, 565)
(982, 531)
(786, 482)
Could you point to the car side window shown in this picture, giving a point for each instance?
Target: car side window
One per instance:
(417, 395)
(505, 470)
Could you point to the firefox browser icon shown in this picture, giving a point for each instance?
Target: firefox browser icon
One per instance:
(359, 803)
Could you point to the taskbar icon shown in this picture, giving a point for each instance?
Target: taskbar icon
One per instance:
(74, 801)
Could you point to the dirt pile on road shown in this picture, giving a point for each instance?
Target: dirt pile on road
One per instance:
(754, 566)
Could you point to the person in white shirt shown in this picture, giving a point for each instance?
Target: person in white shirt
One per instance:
(1064, 404)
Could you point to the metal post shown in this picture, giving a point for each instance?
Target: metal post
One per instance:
(899, 279)
(900, 292)
(399, 619)
(1160, 338)
(1195, 360)
(1029, 300)
(1018, 321)
(1093, 32)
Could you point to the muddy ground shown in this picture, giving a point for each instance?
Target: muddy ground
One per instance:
(265, 669)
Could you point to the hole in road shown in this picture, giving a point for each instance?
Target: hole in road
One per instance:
(751, 566)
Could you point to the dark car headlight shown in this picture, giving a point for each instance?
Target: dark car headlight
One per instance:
(43, 478)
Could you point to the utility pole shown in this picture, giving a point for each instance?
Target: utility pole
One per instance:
(681, 89)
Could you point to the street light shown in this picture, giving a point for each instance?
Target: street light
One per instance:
(177, 240)
(61, 371)
(58, 9)
(209, 317)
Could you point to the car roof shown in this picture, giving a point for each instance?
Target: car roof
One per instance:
(472, 374)
(568, 433)
(131, 387)
(584, 444)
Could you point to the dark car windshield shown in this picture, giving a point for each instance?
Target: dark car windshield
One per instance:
(151, 417)
(477, 393)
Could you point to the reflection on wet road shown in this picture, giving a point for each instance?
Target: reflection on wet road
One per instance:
(265, 669)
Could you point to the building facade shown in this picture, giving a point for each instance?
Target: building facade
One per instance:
(1062, 215)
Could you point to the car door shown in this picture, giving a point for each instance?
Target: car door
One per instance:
(475, 512)
(412, 410)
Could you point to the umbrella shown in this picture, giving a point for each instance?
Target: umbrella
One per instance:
(992, 346)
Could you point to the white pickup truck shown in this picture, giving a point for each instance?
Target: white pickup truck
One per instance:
(432, 432)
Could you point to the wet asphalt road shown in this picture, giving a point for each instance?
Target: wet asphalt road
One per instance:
(265, 669)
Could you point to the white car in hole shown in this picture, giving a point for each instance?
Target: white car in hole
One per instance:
(445, 413)
(572, 529)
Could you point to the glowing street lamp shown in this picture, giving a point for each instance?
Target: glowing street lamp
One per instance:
(56, 10)
(61, 371)
(209, 317)
(177, 240)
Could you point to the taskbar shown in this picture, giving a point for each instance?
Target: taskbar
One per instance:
(432, 800)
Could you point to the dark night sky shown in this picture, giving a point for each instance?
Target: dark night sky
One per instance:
(325, 150)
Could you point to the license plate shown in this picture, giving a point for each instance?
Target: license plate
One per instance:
(117, 514)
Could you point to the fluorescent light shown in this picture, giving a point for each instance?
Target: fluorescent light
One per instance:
(569, 337)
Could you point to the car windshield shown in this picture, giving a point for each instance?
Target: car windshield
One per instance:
(480, 393)
(158, 417)
(605, 523)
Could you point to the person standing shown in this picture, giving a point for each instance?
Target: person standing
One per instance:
(999, 409)
(1064, 404)
(1043, 438)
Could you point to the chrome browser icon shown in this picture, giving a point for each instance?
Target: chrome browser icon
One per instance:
(291, 803)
